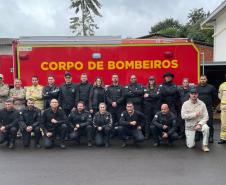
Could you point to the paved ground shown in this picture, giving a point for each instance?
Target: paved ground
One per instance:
(114, 166)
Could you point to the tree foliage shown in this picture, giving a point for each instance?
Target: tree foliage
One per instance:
(191, 29)
(165, 24)
(83, 23)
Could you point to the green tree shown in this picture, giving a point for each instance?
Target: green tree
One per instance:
(196, 15)
(191, 29)
(195, 18)
(167, 26)
(172, 32)
(83, 23)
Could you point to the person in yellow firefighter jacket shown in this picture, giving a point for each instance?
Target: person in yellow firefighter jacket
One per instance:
(222, 97)
(35, 92)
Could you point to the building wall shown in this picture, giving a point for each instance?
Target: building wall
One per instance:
(208, 53)
(220, 39)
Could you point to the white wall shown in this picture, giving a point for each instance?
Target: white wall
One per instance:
(220, 39)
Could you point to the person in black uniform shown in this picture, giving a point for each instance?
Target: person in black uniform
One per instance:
(115, 99)
(54, 122)
(208, 94)
(151, 103)
(50, 91)
(80, 122)
(97, 95)
(67, 94)
(29, 121)
(164, 126)
(169, 93)
(184, 92)
(134, 93)
(102, 122)
(83, 90)
(8, 124)
(131, 123)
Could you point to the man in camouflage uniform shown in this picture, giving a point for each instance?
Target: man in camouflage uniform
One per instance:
(4, 92)
(35, 92)
(18, 95)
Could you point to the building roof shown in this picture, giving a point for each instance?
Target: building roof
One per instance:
(210, 20)
(6, 41)
(152, 35)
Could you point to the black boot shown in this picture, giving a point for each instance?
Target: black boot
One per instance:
(211, 139)
(221, 141)
(107, 144)
(12, 145)
(124, 144)
(89, 144)
(37, 145)
(62, 145)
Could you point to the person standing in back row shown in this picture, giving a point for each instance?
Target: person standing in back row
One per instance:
(67, 94)
(50, 91)
(134, 93)
(97, 95)
(84, 89)
(169, 93)
(4, 91)
(151, 103)
(115, 99)
(208, 94)
(184, 91)
(222, 97)
(18, 95)
(35, 92)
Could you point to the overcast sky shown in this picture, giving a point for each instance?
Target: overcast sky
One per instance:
(127, 18)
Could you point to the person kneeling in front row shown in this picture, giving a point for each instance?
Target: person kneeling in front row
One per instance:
(80, 123)
(54, 122)
(131, 123)
(195, 114)
(8, 124)
(29, 121)
(164, 126)
(102, 122)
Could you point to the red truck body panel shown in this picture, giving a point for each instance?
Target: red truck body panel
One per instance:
(6, 68)
(142, 57)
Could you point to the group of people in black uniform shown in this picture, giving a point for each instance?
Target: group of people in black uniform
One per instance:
(131, 112)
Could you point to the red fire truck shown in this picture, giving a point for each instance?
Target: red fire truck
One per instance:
(103, 56)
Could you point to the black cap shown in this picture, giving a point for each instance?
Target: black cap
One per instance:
(168, 74)
(193, 90)
(67, 74)
(151, 78)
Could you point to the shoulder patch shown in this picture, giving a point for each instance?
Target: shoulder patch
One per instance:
(156, 116)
